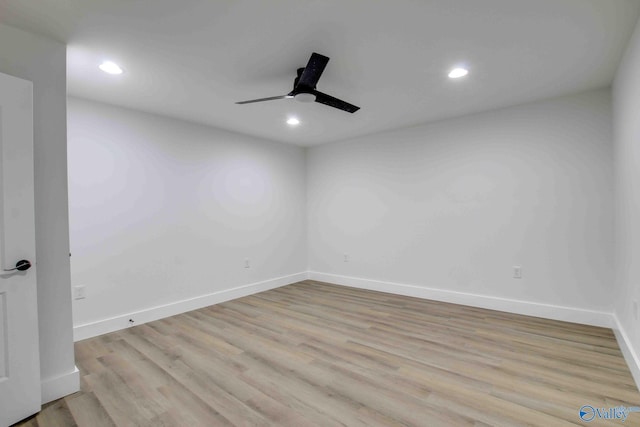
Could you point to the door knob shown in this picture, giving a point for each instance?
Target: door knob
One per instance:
(22, 265)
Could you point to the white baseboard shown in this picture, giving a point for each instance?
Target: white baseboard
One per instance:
(60, 386)
(630, 356)
(547, 311)
(63, 385)
(89, 330)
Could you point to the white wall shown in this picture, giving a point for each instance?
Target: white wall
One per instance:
(626, 96)
(453, 205)
(162, 210)
(43, 62)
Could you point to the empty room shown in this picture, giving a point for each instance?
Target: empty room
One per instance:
(319, 213)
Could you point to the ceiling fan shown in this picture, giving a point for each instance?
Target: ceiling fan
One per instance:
(304, 87)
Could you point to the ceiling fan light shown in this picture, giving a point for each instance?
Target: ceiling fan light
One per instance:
(305, 97)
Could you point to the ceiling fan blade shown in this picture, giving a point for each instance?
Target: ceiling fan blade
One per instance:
(272, 98)
(329, 100)
(313, 71)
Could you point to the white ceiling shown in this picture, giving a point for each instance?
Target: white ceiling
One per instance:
(192, 59)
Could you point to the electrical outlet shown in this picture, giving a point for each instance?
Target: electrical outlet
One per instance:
(635, 310)
(346, 257)
(79, 292)
(247, 264)
(517, 272)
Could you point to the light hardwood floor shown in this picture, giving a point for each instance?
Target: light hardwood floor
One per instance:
(323, 355)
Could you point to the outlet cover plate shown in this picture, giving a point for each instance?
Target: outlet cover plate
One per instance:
(517, 272)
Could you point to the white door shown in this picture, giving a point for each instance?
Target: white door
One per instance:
(19, 355)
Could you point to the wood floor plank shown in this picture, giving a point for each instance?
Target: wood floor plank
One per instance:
(87, 411)
(315, 354)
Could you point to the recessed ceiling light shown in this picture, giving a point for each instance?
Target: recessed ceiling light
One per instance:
(456, 73)
(293, 121)
(110, 67)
